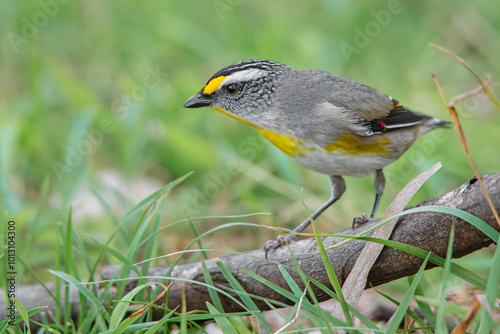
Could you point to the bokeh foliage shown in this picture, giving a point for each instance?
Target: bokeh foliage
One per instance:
(130, 65)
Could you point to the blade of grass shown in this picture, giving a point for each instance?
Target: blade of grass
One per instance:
(31, 312)
(46, 327)
(198, 239)
(292, 297)
(289, 280)
(59, 306)
(182, 221)
(494, 277)
(34, 224)
(213, 295)
(23, 313)
(409, 312)
(4, 324)
(122, 305)
(243, 294)
(468, 217)
(332, 276)
(82, 288)
(183, 308)
(150, 245)
(108, 210)
(223, 323)
(367, 322)
(122, 326)
(138, 314)
(240, 324)
(193, 242)
(294, 315)
(83, 252)
(491, 288)
(456, 309)
(160, 323)
(122, 258)
(187, 281)
(146, 218)
(456, 269)
(39, 280)
(440, 321)
(475, 221)
(315, 319)
(312, 296)
(136, 209)
(424, 307)
(68, 259)
(403, 306)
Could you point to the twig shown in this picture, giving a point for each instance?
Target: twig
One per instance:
(461, 135)
(468, 95)
(488, 93)
(297, 312)
(462, 327)
(495, 315)
(145, 308)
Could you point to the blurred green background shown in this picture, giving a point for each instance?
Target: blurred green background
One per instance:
(91, 110)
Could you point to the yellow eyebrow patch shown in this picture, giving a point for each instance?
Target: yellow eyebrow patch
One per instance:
(213, 85)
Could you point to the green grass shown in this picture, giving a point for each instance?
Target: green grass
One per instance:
(108, 80)
(115, 317)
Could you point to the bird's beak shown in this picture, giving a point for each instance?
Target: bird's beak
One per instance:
(198, 100)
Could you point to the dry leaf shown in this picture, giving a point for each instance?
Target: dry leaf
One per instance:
(356, 281)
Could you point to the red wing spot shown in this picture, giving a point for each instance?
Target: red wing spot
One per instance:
(397, 105)
(382, 124)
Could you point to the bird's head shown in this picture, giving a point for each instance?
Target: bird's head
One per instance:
(243, 90)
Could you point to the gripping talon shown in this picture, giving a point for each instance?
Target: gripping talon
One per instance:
(279, 242)
(357, 220)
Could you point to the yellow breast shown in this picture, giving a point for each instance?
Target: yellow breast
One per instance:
(347, 143)
(286, 144)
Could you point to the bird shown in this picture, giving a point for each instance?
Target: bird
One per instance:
(326, 123)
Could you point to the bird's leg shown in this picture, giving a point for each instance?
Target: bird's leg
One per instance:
(379, 190)
(337, 185)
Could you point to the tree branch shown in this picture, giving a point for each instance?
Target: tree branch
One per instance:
(426, 230)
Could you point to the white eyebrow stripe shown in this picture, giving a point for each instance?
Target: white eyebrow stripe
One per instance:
(244, 75)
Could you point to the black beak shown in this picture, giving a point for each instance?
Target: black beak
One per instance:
(198, 100)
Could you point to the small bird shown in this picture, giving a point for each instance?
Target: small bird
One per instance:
(325, 122)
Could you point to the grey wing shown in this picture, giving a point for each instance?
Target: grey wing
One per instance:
(361, 101)
(375, 111)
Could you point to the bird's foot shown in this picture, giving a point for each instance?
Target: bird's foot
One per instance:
(280, 241)
(357, 220)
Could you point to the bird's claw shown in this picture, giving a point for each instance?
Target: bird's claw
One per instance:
(280, 241)
(357, 220)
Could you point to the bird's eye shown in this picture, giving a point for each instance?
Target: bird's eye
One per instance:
(231, 89)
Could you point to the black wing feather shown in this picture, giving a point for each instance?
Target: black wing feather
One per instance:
(398, 118)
